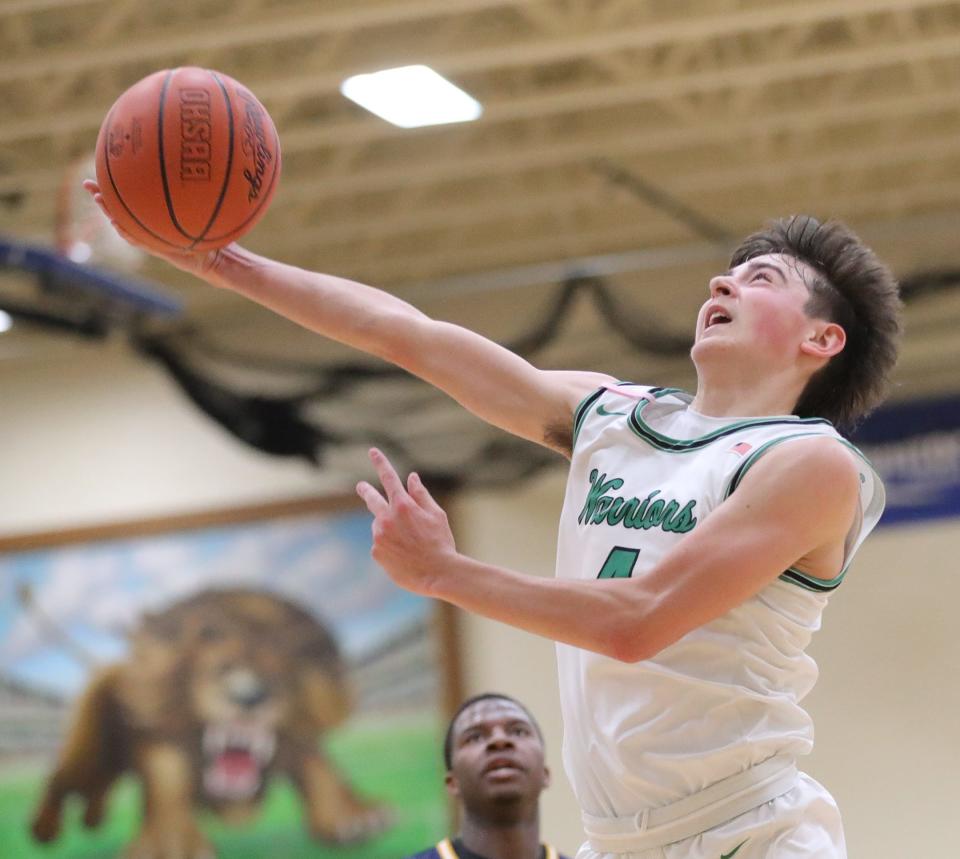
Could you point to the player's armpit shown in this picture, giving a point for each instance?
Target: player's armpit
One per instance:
(794, 508)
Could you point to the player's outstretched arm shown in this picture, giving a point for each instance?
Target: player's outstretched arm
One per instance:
(495, 384)
(785, 513)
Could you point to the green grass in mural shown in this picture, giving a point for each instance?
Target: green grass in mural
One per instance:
(397, 764)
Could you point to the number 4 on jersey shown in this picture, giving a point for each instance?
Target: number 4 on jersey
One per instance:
(619, 563)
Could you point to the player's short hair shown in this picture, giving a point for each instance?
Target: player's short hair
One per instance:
(852, 288)
(448, 739)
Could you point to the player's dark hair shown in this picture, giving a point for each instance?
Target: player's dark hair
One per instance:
(856, 291)
(448, 739)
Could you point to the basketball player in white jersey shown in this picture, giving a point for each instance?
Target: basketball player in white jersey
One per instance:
(699, 539)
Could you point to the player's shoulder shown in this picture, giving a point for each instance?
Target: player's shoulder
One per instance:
(814, 455)
(588, 385)
(611, 388)
(807, 465)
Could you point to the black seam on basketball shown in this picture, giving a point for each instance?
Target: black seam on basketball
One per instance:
(226, 175)
(163, 163)
(266, 196)
(116, 190)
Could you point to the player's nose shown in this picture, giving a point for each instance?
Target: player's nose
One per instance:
(499, 739)
(723, 286)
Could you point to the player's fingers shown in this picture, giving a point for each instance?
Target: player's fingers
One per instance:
(94, 190)
(392, 484)
(420, 493)
(102, 206)
(375, 502)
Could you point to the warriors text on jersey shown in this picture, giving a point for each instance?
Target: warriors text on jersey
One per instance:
(646, 469)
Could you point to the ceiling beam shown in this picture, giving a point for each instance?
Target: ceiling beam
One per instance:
(522, 52)
(275, 28)
(29, 7)
(511, 212)
(551, 154)
(579, 99)
(418, 267)
(908, 109)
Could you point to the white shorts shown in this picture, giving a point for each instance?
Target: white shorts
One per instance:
(802, 823)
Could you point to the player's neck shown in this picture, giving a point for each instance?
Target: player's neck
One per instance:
(520, 840)
(722, 394)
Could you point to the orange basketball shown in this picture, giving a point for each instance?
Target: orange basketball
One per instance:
(187, 159)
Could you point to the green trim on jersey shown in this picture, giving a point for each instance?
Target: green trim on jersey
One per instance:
(811, 583)
(673, 445)
(792, 574)
(581, 412)
(583, 409)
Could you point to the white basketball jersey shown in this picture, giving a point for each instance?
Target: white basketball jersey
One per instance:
(644, 472)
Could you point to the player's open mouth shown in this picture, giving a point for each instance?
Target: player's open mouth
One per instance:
(502, 768)
(716, 316)
(235, 755)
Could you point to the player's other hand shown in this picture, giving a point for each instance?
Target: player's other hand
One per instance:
(412, 540)
(195, 262)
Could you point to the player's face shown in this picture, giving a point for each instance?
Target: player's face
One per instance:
(496, 757)
(759, 306)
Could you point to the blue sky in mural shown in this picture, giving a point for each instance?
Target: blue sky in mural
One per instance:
(95, 592)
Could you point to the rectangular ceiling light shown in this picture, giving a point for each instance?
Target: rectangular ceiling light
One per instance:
(411, 96)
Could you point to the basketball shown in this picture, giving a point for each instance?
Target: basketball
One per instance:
(187, 159)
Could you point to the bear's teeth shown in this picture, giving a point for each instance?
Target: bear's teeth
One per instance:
(214, 740)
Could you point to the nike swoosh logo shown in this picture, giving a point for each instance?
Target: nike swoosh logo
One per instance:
(602, 411)
(735, 850)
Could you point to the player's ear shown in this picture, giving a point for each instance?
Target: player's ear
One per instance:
(546, 776)
(825, 340)
(452, 785)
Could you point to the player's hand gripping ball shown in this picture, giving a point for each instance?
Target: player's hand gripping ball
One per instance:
(187, 160)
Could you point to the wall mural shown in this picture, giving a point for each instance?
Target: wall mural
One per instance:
(232, 688)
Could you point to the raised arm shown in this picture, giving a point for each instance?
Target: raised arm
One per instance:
(793, 509)
(495, 384)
